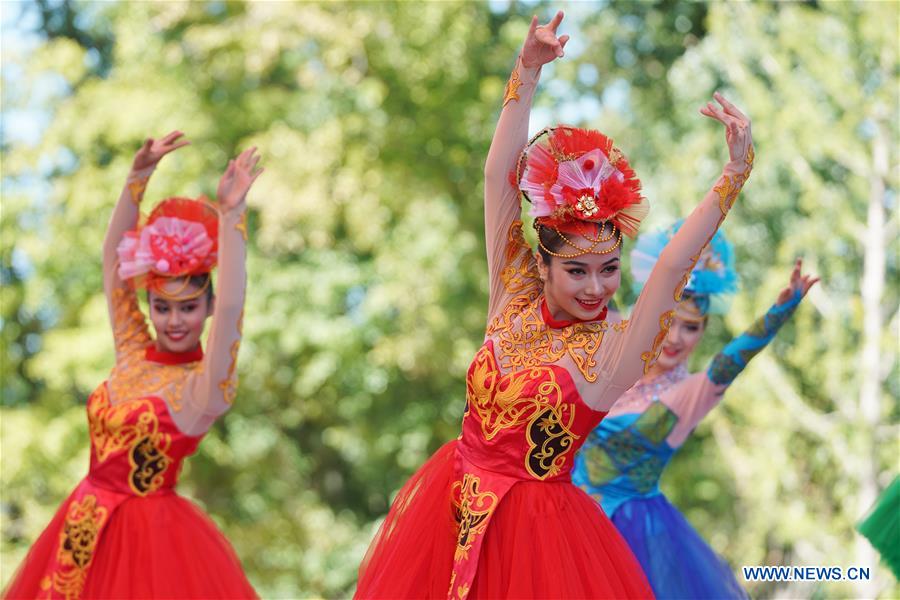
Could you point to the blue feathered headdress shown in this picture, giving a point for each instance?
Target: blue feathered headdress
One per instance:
(713, 281)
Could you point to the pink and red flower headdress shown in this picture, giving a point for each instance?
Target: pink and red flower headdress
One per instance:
(178, 240)
(577, 181)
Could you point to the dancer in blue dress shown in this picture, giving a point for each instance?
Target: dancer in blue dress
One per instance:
(621, 462)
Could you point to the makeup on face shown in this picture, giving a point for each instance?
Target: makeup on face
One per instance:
(178, 323)
(684, 334)
(580, 288)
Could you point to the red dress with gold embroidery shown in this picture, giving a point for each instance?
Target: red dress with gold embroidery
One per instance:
(124, 532)
(494, 514)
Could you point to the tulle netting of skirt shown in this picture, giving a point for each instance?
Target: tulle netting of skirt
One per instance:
(156, 547)
(545, 540)
(676, 560)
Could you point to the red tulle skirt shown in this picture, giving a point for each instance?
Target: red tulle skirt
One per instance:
(155, 547)
(545, 540)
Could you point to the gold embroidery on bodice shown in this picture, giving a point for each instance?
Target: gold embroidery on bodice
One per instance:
(135, 377)
(503, 402)
(522, 338)
(147, 446)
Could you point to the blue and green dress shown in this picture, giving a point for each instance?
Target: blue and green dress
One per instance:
(624, 456)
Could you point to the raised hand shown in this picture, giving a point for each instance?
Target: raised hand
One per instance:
(799, 284)
(237, 179)
(153, 150)
(737, 127)
(541, 45)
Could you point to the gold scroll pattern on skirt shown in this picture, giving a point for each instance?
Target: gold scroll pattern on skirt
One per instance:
(77, 542)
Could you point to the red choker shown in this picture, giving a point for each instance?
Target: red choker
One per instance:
(556, 324)
(173, 358)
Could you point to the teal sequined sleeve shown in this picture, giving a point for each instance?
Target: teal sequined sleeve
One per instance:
(734, 357)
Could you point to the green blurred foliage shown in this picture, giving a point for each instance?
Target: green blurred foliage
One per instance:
(368, 284)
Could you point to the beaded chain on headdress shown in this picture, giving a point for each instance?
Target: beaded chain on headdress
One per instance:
(577, 182)
(178, 241)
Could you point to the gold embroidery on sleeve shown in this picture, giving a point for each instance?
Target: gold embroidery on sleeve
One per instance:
(229, 384)
(730, 186)
(686, 276)
(512, 87)
(129, 324)
(665, 321)
(520, 270)
(136, 189)
(241, 225)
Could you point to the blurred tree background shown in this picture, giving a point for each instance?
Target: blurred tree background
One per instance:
(367, 288)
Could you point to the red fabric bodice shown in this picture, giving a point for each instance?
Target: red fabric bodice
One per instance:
(522, 425)
(136, 447)
(136, 451)
(526, 424)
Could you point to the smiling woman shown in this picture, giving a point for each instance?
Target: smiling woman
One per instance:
(493, 514)
(179, 323)
(578, 288)
(124, 532)
(624, 456)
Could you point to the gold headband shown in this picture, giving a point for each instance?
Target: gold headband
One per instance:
(694, 315)
(177, 297)
(579, 250)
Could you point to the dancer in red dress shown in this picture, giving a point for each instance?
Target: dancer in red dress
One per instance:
(494, 514)
(124, 532)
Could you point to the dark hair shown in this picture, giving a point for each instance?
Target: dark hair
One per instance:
(549, 239)
(701, 301)
(199, 281)
(204, 279)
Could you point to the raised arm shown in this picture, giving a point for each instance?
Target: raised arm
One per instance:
(212, 390)
(501, 203)
(695, 397)
(128, 323)
(630, 352)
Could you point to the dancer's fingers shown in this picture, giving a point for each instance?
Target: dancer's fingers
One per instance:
(557, 19)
